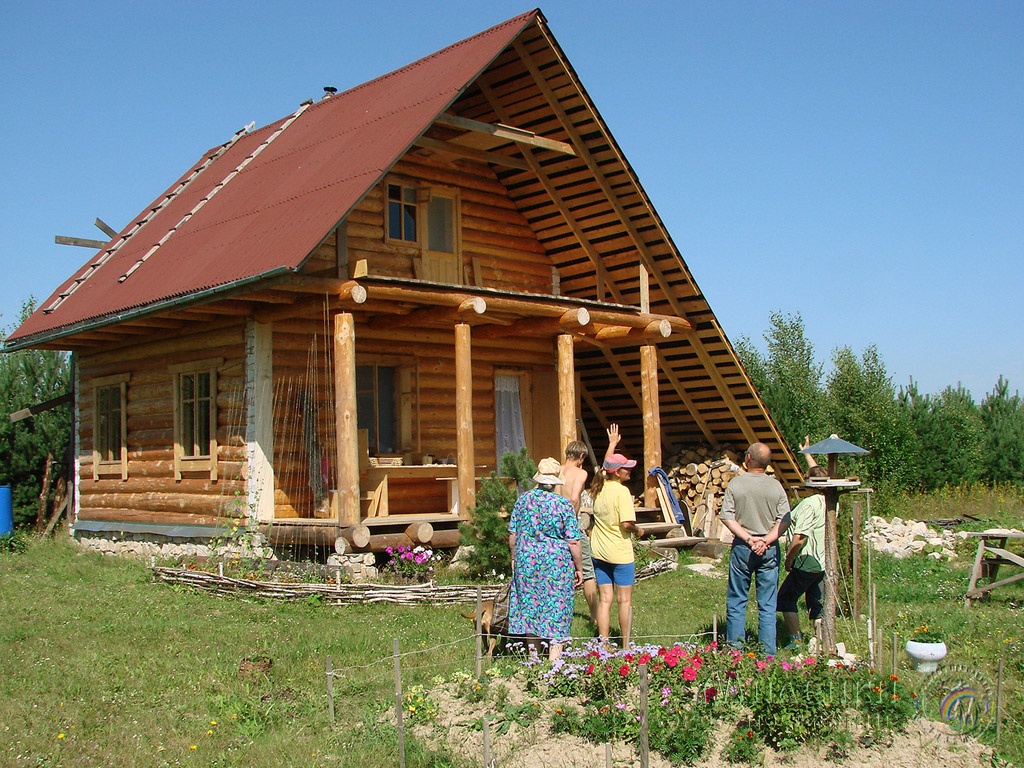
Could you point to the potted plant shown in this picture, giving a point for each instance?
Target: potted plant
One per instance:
(926, 648)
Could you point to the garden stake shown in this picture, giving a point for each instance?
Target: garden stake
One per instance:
(894, 636)
(487, 742)
(714, 627)
(607, 754)
(645, 756)
(330, 687)
(999, 700)
(398, 705)
(479, 633)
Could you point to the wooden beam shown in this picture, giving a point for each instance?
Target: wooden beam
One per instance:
(474, 305)
(566, 391)
(570, 320)
(473, 154)
(346, 424)
(105, 228)
(82, 242)
(652, 419)
(511, 133)
(466, 459)
(656, 329)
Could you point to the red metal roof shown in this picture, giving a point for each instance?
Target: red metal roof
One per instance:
(270, 196)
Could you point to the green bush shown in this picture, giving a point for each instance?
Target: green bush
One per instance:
(486, 531)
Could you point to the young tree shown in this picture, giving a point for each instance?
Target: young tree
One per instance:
(1003, 417)
(29, 377)
(788, 377)
(951, 434)
(863, 409)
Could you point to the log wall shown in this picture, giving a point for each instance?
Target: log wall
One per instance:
(302, 368)
(499, 249)
(151, 494)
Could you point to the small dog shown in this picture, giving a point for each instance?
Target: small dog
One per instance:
(493, 619)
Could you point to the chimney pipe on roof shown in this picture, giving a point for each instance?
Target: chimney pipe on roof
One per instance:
(329, 90)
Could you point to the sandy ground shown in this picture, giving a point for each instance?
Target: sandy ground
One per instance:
(925, 744)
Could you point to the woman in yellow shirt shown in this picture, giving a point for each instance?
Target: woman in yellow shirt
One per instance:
(614, 522)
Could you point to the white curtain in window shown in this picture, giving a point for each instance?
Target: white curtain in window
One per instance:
(509, 415)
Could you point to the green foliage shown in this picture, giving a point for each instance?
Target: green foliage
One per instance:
(744, 748)
(1003, 417)
(683, 735)
(801, 707)
(788, 377)
(486, 531)
(886, 704)
(15, 542)
(29, 377)
(951, 434)
(863, 409)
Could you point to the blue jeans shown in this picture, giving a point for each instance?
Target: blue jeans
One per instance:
(744, 565)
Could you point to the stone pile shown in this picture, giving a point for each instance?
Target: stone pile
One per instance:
(903, 538)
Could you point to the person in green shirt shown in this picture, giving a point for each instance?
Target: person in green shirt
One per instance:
(805, 559)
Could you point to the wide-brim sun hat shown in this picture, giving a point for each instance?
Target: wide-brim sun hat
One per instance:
(549, 472)
(618, 461)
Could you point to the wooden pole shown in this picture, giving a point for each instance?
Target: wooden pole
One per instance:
(714, 627)
(566, 392)
(464, 418)
(999, 701)
(652, 420)
(895, 635)
(645, 755)
(828, 616)
(345, 418)
(856, 560)
(330, 688)
(398, 704)
(487, 742)
(479, 634)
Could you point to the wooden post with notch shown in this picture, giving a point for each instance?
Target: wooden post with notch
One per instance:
(566, 392)
(652, 419)
(346, 423)
(464, 417)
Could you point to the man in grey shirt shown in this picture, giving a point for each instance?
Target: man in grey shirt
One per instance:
(754, 510)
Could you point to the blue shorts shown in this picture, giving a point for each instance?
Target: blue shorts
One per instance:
(619, 574)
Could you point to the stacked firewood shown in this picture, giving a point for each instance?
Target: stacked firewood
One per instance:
(699, 477)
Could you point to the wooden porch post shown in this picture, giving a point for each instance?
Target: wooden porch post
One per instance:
(566, 392)
(466, 460)
(652, 419)
(345, 419)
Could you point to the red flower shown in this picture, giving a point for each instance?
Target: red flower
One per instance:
(645, 658)
(689, 674)
(624, 670)
(590, 670)
(710, 693)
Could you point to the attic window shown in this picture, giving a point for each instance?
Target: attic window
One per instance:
(402, 213)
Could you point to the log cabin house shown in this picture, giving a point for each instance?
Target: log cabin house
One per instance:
(334, 325)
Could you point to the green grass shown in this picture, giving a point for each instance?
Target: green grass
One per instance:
(102, 665)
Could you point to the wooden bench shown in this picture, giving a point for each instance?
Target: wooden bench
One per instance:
(992, 553)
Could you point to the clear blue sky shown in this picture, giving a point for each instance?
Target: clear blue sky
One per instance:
(860, 163)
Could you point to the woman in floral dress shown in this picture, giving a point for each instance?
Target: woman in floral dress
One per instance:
(546, 561)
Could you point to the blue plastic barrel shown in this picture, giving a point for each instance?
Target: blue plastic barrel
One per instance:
(6, 511)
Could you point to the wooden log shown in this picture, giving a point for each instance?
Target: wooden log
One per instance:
(651, 419)
(446, 539)
(420, 532)
(347, 457)
(356, 535)
(464, 416)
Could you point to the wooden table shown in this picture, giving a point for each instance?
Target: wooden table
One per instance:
(992, 553)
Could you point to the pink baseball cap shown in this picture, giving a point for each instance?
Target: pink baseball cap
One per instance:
(618, 461)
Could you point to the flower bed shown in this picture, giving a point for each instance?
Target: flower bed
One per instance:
(695, 691)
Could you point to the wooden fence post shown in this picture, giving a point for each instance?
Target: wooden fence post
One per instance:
(479, 634)
(398, 705)
(999, 701)
(330, 687)
(645, 755)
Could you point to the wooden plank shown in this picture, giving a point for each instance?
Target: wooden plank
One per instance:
(511, 133)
